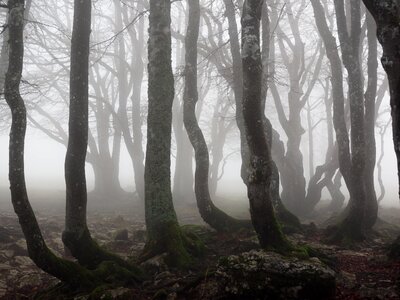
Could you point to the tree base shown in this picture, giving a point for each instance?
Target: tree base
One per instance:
(90, 255)
(289, 222)
(91, 282)
(178, 244)
(347, 233)
(222, 222)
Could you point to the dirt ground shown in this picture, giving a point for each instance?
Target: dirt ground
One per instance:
(363, 272)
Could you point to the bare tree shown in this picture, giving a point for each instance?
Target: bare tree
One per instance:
(163, 231)
(260, 162)
(213, 216)
(42, 256)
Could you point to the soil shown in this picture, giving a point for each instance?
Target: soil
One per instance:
(362, 271)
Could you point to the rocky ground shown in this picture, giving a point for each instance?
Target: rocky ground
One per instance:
(232, 268)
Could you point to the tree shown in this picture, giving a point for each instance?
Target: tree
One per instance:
(163, 231)
(285, 216)
(208, 211)
(360, 213)
(66, 271)
(76, 235)
(260, 162)
(292, 52)
(387, 17)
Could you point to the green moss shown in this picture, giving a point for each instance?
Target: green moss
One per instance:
(192, 241)
(168, 239)
(92, 256)
(289, 222)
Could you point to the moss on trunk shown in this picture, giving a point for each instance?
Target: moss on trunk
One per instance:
(178, 245)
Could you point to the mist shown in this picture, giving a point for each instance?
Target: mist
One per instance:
(199, 149)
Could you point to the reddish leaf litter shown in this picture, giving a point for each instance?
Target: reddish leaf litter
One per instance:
(368, 274)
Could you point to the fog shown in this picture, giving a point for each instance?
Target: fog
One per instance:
(45, 170)
(45, 90)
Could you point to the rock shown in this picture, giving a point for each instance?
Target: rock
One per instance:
(23, 261)
(266, 275)
(3, 289)
(20, 248)
(348, 280)
(4, 267)
(29, 280)
(121, 235)
(155, 264)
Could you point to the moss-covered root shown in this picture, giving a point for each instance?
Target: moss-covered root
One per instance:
(179, 245)
(79, 280)
(222, 222)
(290, 223)
(346, 233)
(91, 255)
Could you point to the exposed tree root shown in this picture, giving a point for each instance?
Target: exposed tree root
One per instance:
(179, 246)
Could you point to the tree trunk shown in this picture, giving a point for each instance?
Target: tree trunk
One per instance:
(289, 221)
(371, 205)
(237, 83)
(208, 211)
(76, 235)
(353, 224)
(260, 166)
(387, 17)
(133, 141)
(163, 231)
(38, 251)
(183, 191)
(351, 165)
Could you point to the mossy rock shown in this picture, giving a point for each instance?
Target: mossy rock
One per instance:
(266, 275)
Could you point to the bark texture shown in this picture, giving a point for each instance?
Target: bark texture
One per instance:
(163, 231)
(352, 164)
(260, 163)
(38, 251)
(387, 17)
(76, 235)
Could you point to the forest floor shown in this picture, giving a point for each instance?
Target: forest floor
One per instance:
(362, 272)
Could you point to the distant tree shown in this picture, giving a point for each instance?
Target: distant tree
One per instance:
(302, 77)
(285, 217)
(354, 154)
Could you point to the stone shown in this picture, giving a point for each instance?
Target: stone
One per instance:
(155, 264)
(121, 235)
(266, 275)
